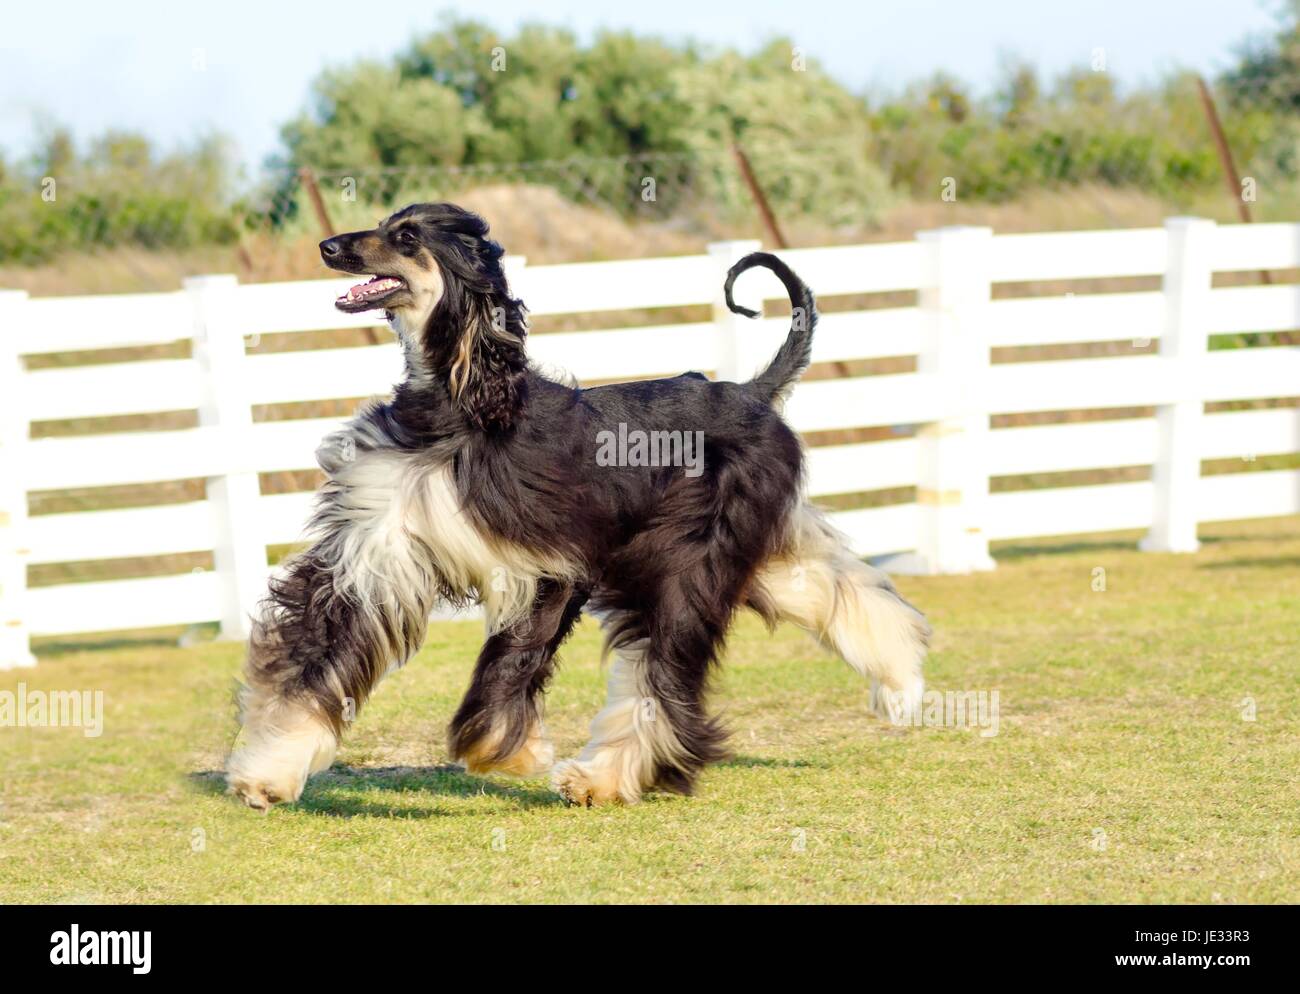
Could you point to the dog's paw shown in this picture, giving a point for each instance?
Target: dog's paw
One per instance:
(579, 784)
(540, 758)
(534, 757)
(898, 706)
(259, 795)
(262, 788)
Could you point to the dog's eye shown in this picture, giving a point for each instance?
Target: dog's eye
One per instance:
(407, 237)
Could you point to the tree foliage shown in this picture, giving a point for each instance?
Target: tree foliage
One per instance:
(116, 191)
(465, 95)
(468, 102)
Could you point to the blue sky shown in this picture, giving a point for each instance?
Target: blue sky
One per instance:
(132, 64)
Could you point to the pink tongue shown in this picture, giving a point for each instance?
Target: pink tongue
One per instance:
(371, 287)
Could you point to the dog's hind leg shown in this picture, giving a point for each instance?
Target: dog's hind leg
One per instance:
(653, 730)
(665, 625)
(853, 609)
(499, 724)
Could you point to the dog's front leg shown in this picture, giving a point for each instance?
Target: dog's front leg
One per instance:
(498, 727)
(293, 703)
(340, 616)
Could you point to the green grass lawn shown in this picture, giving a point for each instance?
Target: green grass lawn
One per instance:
(1124, 768)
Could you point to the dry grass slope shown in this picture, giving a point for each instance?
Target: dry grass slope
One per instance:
(537, 222)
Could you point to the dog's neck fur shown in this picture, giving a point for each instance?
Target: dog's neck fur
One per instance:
(422, 413)
(406, 333)
(457, 363)
(410, 325)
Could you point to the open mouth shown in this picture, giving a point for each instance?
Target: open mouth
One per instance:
(370, 294)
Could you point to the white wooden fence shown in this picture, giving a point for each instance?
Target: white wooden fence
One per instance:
(950, 397)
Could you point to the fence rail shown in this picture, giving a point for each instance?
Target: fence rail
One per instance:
(950, 398)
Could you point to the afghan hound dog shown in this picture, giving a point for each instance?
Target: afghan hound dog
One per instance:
(483, 481)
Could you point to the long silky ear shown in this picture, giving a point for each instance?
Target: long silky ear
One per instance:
(487, 376)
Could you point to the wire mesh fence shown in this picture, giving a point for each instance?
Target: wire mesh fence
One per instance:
(1087, 156)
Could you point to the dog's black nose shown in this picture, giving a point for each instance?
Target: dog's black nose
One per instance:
(330, 248)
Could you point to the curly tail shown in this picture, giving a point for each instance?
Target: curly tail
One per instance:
(793, 356)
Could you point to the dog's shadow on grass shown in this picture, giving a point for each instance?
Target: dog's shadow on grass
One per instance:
(762, 762)
(339, 791)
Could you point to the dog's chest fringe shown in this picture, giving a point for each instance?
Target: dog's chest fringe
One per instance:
(402, 538)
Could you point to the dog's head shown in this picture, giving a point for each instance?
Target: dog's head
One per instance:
(439, 279)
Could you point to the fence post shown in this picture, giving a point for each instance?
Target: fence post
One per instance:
(15, 645)
(954, 482)
(737, 356)
(1184, 341)
(240, 553)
